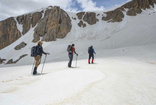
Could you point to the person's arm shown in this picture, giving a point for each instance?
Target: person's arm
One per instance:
(93, 51)
(43, 51)
(75, 51)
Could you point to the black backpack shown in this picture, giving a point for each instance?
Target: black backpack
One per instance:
(69, 48)
(34, 51)
(90, 51)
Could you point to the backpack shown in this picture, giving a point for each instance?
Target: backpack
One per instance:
(69, 48)
(34, 51)
(90, 51)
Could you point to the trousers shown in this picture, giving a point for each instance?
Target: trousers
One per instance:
(70, 60)
(37, 60)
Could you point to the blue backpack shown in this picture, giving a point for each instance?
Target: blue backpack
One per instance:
(34, 51)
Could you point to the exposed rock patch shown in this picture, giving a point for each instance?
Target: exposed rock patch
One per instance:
(80, 15)
(81, 24)
(2, 60)
(73, 18)
(114, 16)
(21, 45)
(90, 18)
(12, 62)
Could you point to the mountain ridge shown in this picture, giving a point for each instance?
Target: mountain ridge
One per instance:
(54, 23)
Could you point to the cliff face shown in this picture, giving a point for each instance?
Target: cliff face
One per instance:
(134, 7)
(8, 32)
(54, 22)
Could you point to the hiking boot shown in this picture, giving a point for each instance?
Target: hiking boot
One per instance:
(35, 71)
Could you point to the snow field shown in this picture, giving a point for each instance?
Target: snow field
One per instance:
(110, 81)
(51, 87)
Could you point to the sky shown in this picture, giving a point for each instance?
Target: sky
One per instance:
(9, 8)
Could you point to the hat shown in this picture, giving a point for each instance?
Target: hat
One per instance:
(40, 42)
(73, 44)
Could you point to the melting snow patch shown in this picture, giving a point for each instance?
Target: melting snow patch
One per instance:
(54, 87)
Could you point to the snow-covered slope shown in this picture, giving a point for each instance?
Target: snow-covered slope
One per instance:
(132, 31)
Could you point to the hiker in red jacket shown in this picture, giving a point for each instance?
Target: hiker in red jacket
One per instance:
(71, 50)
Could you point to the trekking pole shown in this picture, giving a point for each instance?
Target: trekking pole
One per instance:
(43, 64)
(32, 67)
(76, 62)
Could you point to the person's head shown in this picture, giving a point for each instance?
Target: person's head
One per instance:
(73, 45)
(40, 43)
(91, 46)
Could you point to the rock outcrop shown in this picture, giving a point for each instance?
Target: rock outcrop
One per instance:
(2, 60)
(8, 32)
(21, 45)
(36, 18)
(28, 20)
(114, 16)
(80, 15)
(55, 24)
(12, 62)
(81, 24)
(134, 7)
(88, 17)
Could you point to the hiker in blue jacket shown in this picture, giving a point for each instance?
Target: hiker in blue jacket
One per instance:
(91, 53)
(38, 56)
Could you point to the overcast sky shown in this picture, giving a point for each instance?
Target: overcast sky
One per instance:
(10, 8)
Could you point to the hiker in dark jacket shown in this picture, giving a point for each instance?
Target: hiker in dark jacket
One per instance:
(91, 53)
(70, 54)
(38, 56)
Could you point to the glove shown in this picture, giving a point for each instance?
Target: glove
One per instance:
(77, 54)
(47, 53)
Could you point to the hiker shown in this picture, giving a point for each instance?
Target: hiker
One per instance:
(71, 49)
(39, 51)
(91, 53)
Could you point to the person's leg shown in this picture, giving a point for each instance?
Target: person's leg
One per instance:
(37, 62)
(70, 60)
(93, 58)
(89, 59)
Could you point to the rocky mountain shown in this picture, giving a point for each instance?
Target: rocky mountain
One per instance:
(53, 22)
